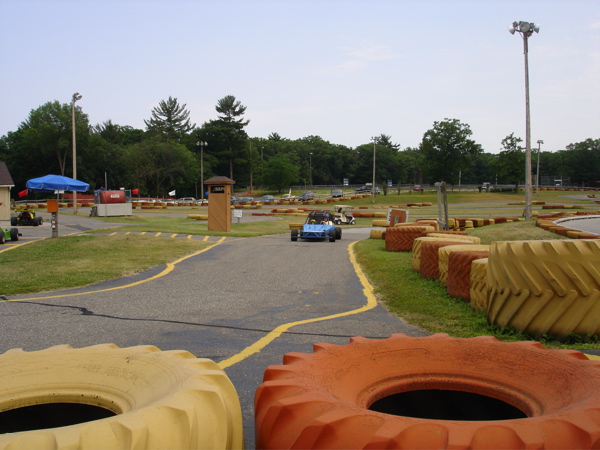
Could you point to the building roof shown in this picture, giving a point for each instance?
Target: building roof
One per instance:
(5, 178)
(219, 180)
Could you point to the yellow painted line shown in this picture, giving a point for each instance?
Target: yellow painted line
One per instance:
(157, 234)
(266, 340)
(127, 232)
(189, 236)
(112, 234)
(205, 238)
(166, 271)
(173, 235)
(142, 233)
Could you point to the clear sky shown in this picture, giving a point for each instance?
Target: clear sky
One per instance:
(342, 70)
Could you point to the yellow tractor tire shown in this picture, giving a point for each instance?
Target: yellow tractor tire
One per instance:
(116, 398)
(545, 287)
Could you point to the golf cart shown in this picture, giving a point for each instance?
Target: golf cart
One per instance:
(26, 217)
(318, 225)
(343, 216)
(6, 234)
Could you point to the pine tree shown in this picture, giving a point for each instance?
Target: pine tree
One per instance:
(170, 119)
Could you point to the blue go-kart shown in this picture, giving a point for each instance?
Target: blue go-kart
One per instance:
(318, 225)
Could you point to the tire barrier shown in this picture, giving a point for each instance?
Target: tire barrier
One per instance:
(400, 239)
(459, 272)
(444, 255)
(377, 234)
(431, 223)
(429, 267)
(380, 223)
(109, 397)
(437, 233)
(433, 392)
(418, 243)
(198, 216)
(479, 291)
(460, 237)
(407, 224)
(545, 287)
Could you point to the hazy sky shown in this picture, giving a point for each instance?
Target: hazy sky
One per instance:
(343, 70)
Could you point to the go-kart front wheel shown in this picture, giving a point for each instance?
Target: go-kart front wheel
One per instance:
(294, 234)
(338, 233)
(332, 235)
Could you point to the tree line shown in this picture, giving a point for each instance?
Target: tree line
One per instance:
(169, 153)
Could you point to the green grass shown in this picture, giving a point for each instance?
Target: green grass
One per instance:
(512, 231)
(73, 261)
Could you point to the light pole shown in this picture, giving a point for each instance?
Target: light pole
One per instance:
(374, 139)
(310, 166)
(526, 29)
(537, 173)
(76, 96)
(202, 144)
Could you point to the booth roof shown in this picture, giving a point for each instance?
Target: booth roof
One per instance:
(219, 180)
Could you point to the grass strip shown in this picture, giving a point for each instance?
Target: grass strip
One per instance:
(74, 261)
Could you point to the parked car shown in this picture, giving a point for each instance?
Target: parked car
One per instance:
(337, 193)
(234, 199)
(267, 198)
(418, 188)
(305, 196)
(366, 189)
(187, 200)
(246, 200)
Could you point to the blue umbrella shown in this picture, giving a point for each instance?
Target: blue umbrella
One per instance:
(51, 183)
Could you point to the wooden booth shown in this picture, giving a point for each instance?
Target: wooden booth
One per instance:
(219, 203)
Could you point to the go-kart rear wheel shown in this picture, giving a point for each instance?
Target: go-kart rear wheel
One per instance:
(1, 237)
(39, 220)
(338, 233)
(294, 234)
(13, 221)
(14, 234)
(332, 235)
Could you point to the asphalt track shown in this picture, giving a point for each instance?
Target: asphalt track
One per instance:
(244, 303)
